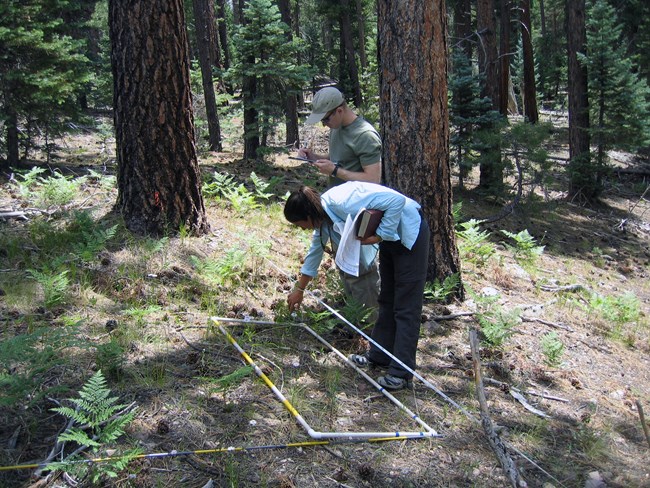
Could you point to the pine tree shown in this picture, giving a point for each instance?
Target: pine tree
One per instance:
(42, 68)
(469, 114)
(266, 58)
(619, 98)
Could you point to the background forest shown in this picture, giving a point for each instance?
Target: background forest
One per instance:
(107, 349)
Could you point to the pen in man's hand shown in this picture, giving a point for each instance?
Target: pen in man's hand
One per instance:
(303, 159)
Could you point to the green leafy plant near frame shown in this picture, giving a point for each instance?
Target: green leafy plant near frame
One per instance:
(242, 199)
(473, 243)
(497, 324)
(28, 179)
(219, 185)
(55, 285)
(525, 248)
(263, 189)
(618, 311)
(92, 242)
(552, 348)
(57, 189)
(26, 359)
(231, 380)
(222, 270)
(440, 292)
(97, 421)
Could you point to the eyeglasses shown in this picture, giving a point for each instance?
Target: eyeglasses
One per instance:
(329, 115)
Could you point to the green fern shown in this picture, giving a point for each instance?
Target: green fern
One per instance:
(55, 285)
(29, 179)
(58, 189)
(241, 199)
(525, 248)
(219, 185)
(473, 243)
(230, 380)
(262, 187)
(440, 292)
(26, 361)
(92, 242)
(552, 348)
(95, 414)
(225, 269)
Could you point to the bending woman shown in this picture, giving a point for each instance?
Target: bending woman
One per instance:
(403, 238)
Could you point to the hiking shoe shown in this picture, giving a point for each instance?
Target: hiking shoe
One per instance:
(361, 360)
(393, 383)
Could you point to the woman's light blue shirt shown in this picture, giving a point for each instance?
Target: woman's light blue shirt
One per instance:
(401, 220)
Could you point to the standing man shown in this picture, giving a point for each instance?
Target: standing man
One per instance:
(354, 144)
(354, 155)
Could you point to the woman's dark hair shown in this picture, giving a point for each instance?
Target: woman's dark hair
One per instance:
(304, 203)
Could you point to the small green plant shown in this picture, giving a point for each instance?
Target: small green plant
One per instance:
(619, 310)
(259, 252)
(590, 443)
(58, 189)
(440, 292)
(262, 188)
(225, 269)
(525, 248)
(139, 313)
(498, 325)
(106, 182)
(28, 180)
(27, 359)
(110, 358)
(55, 285)
(552, 348)
(321, 322)
(92, 242)
(457, 213)
(355, 312)
(230, 380)
(473, 243)
(599, 259)
(220, 185)
(97, 421)
(242, 200)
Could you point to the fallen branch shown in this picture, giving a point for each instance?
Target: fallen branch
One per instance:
(521, 399)
(497, 445)
(453, 316)
(546, 322)
(547, 397)
(13, 215)
(502, 384)
(576, 287)
(639, 409)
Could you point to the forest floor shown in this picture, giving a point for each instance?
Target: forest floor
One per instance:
(142, 309)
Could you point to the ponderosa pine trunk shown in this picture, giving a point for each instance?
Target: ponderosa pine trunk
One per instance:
(290, 92)
(208, 47)
(530, 92)
(582, 179)
(491, 167)
(504, 56)
(159, 181)
(349, 53)
(415, 118)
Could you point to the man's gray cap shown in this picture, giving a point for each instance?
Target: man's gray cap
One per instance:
(325, 100)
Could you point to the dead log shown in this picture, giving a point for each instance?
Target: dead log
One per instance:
(639, 409)
(497, 445)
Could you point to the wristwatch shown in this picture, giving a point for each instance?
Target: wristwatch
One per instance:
(336, 170)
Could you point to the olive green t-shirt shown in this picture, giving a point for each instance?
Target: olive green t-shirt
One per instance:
(354, 146)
